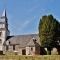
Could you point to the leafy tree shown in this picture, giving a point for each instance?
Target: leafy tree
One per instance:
(49, 31)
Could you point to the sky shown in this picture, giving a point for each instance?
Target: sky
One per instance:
(24, 15)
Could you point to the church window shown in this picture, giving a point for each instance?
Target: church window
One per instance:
(0, 33)
(0, 41)
(31, 48)
(7, 47)
(13, 47)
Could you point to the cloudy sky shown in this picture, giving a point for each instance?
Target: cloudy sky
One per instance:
(24, 15)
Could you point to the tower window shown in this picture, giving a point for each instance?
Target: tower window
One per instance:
(0, 33)
(0, 41)
(13, 47)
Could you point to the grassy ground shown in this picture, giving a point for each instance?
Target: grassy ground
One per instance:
(38, 57)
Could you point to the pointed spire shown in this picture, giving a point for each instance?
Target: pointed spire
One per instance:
(4, 13)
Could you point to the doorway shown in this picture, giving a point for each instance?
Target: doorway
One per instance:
(23, 52)
(1, 52)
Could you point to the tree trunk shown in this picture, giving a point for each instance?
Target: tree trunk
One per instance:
(48, 51)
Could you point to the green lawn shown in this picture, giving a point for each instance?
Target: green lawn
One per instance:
(38, 57)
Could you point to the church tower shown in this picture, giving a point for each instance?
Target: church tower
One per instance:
(4, 32)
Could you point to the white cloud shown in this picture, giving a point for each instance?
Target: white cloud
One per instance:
(33, 8)
(12, 23)
(26, 23)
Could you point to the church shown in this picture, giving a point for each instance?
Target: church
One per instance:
(20, 44)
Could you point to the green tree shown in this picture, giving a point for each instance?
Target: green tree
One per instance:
(48, 32)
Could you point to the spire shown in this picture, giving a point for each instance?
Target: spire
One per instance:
(4, 13)
(4, 16)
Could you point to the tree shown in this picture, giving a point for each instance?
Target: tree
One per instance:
(48, 32)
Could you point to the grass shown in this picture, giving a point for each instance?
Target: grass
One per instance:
(38, 57)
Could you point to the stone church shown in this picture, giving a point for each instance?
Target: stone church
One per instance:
(19, 44)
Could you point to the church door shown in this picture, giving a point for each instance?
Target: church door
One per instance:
(23, 52)
(1, 52)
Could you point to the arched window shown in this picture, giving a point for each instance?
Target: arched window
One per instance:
(0, 41)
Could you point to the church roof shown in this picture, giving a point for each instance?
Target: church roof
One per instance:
(23, 40)
(31, 43)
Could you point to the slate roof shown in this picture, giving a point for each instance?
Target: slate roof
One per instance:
(31, 43)
(23, 40)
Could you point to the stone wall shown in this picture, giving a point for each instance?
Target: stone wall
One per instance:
(10, 49)
(30, 50)
(20, 51)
